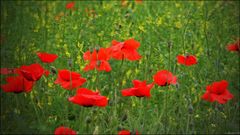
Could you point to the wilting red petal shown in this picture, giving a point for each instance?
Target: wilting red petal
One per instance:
(47, 57)
(70, 5)
(124, 132)
(87, 98)
(32, 72)
(64, 131)
(17, 84)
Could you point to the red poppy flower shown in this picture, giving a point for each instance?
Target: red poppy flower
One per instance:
(17, 84)
(187, 60)
(6, 71)
(88, 98)
(47, 57)
(124, 132)
(69, 80)
(234, 47)
(140, 89)
(64, 131)
(32, 72)
(125, 50)
(164, 78)
(70, 5)
(98, 60)
(217, 92)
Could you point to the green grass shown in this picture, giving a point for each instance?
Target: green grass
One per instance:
(200, 28)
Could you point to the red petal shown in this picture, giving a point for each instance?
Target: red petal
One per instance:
(85, 97)
(115, 42)
(103, 54)
(17, 84)
(131, 54)
(233, 47)
(128, 92)
(227, 95)
(46, 73)
(87, 55)
(32, 72)
(64, 131)
(181, 59)
(223, 84)
(191, 60)
(86, 91)
(124, 132)
(131, 44)
(70, 5)
(47, 57)
(138, 83)
(219, 99)
(104, 65)
(92, 65)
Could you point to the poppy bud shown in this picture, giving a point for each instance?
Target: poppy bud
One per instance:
(177, 86)
(218, 107)
(70, 62)
(94, 111)
(190, 109)
(71, 117)
(53, 70)
(124, 117)
(88, 120)
(170, 44)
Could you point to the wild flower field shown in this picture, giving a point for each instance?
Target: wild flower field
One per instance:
(120, 67)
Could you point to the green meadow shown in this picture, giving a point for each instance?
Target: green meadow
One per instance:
(164, 29)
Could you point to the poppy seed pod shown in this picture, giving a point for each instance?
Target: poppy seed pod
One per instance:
(70, 62)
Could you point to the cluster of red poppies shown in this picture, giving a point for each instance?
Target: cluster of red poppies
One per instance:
(27, 75)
